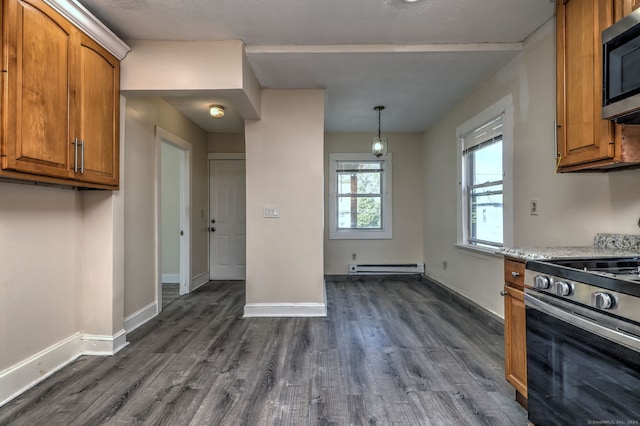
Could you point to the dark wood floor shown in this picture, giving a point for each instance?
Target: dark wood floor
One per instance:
(170, 293)
(389, 353)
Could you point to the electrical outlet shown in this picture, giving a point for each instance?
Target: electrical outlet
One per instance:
(534, 206)
(354, 256)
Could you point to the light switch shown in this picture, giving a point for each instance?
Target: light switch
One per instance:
(272, 212)
(534, 207)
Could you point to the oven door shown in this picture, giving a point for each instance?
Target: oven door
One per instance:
(582, 369)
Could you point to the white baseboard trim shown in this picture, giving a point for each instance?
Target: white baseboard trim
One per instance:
(170, 278)
(285, 310)
(31, 371)
(141, 316)
(96, 344)
(199, 280)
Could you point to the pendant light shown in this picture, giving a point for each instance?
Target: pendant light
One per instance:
(378, 143)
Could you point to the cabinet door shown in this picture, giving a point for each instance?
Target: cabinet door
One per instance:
(625, 7)
(583, 136)
(515, 339)
(38, 45)
(96, 113)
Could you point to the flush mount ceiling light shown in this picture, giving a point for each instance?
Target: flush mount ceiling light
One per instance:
(410, 1)
(378, 143)
(216, 111)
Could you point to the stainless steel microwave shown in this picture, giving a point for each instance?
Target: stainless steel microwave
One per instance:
(621, 70)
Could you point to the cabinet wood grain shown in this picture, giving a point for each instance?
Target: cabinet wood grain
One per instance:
(98, 122)
(515, 331)
(39, 58)
(585, 140)
(60, 101)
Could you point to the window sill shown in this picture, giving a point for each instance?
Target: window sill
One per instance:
(492, 252)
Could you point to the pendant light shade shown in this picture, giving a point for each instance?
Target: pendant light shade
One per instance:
(378, 143)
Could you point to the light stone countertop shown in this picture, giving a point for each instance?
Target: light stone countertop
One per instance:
(604, 245)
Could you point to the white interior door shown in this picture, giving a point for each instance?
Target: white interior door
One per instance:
(227, 221)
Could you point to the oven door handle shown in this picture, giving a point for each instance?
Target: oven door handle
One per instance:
(618, 335)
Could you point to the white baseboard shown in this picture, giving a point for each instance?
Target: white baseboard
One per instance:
(29, 372)
(170, 278)
(141, 316)
(199, 280)
(285, 310)
(95, 344)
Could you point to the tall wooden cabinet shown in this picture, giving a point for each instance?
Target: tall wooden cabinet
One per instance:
(60, 100)
(585, 140)
(515, 331)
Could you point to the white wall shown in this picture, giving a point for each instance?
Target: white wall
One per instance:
(141, 117)
(284, 160)
(158, 68)
(39, 229)
(408, 193)
(61, 280)
(170, 208)
(573, 207)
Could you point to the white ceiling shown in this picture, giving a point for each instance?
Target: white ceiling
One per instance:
(416, 59)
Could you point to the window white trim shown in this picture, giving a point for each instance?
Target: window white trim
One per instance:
(387, 201)
(503, 106)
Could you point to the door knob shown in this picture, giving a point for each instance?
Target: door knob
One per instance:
(212, 229)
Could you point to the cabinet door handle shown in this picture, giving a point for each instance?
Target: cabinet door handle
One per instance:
(75, 154)
(556, 154)
(82, 158)
(515, 274)
(503, 293)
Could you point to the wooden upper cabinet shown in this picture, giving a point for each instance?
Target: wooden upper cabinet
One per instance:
(585, 140)
(625, 7)
(583, 136)
(37, 134)
(60, 102)
(98, 123)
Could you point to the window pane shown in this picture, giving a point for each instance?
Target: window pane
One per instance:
(360, 183)
(486, 163)
(486, 217)
(359, 213)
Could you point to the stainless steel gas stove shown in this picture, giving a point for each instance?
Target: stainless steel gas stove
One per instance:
(583, 341)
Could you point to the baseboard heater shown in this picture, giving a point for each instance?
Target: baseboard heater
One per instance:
(405, 268)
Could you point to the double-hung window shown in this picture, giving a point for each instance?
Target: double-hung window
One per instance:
(483, 184)
(360, 196)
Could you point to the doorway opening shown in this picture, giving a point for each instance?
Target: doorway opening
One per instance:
(173, 217)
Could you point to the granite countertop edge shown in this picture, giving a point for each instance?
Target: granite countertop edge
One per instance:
(605, 245)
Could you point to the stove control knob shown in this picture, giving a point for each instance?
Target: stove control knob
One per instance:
(602, 300)
(541, 282)
(562, 288)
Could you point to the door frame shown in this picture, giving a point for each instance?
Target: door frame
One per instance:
(164, 136)
(218, 156)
